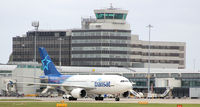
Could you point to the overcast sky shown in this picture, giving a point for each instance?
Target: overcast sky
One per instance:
(172, 20)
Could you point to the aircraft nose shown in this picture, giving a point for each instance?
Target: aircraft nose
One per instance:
(129, 86)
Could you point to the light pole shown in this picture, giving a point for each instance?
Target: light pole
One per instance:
(23, 46)
(148, 74)
(60, 39)
(36, 25)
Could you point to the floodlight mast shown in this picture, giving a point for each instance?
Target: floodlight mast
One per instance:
(60, 52)
(36, 25)
(148, 74)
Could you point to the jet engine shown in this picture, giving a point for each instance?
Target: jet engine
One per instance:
(78, 93)
(125, 94)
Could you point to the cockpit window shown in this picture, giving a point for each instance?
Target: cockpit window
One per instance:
(124, 81)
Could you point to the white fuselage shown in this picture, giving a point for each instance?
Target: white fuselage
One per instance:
(100, 84)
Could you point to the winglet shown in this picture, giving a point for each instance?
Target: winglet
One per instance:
(48, 66)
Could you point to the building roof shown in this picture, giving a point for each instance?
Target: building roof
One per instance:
(122, 70)
(8, 67)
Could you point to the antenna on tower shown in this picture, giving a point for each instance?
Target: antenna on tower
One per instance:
(111, 7)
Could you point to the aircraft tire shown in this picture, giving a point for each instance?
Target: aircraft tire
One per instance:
(96, 98)
(117, 99)
(99, 98)
(72, 99)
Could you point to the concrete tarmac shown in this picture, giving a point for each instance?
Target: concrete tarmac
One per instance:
(108, 100)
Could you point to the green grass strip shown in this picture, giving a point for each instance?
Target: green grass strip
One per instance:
(53, 104)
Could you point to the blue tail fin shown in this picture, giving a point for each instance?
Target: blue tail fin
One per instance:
(48, 66)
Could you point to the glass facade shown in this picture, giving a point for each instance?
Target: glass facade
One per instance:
(23, 47)
(111, 16)
(100, 48)
(190, 83)
(118, 16)
(100, 15)
(81, 48)
(175, 54)
(5, 71)
(188, 80)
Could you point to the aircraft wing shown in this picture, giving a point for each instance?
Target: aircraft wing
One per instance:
(28, 77)
(54, 85)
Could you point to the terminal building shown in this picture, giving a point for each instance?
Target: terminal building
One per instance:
(162, 54)
(104, 41)
(23, 47)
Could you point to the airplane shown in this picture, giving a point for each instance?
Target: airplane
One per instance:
(80, 86)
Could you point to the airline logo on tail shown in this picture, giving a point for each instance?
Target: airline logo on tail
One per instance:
(48, 66)
(45, 62)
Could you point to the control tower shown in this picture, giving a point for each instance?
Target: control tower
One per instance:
(104, 41)
(110, 18)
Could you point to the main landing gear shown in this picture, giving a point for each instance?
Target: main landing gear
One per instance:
(99, 98)
(117, 98)
(72, 99)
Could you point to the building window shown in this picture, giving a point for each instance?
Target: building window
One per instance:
(125, 16)
(109, 15)
(100, 15)
(118, 16)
